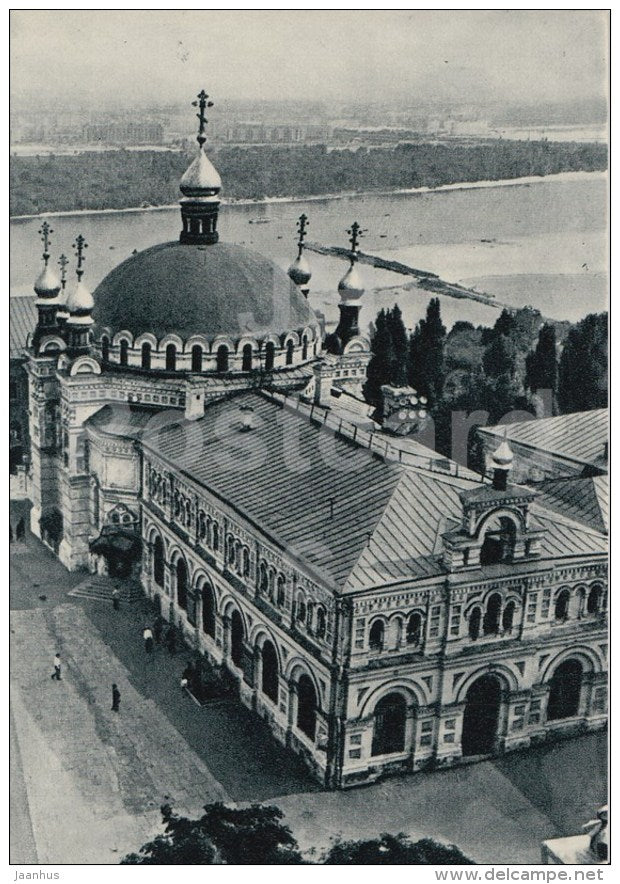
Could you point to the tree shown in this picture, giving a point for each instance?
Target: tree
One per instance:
(398, 333)
(500, 357)
(425, 368)
(184, 842)
(388, 363)
(394, 850)
(223, 835)
(582, 381)
(541, 364)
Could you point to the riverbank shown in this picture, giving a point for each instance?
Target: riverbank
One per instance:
(559, 177)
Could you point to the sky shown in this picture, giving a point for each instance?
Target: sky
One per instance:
(150, 56)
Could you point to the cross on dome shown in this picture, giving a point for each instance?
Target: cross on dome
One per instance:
(45, 239)
(203, 103)
(79, 245)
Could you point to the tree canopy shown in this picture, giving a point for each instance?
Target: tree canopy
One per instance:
(394, 850)
(582, 382)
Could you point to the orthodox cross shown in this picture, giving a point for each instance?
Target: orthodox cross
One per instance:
(79, 245)
(302, 226)
(355, 234)
(45, 239)
(202, 104)
(63, 261)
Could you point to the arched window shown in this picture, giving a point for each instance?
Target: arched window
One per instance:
(171, 358)
(306, 706)
(236, 639)
(208, 610)
(123, 352)
(414, 629)
(301, 610)
(281, 591)
(320, 622)
(216, 537)
(490, 624)
(188, 514)
(222, 358)
(304, 350)
(390, 718)
(146, 355)
(270, 671)
(499, 541)
(245, 558)
(508, 617)
(270, 351)
(594, 600)
(202, 525)
(181, 581)
(376, 637)
(230, 549)
(310, 615)
(561, 605)
(105, 348)
(196, 357)
(565, 691)
(158, 561)
(246, 360)
(290, 346)
(263, 578)
(474, 623)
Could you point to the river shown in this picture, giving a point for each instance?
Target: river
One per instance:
(542, 243)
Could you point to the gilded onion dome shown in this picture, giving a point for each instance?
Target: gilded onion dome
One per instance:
(351, 286)
(299, 271)
(201, 179)
(47, 284)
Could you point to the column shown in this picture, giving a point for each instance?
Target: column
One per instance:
(292, 710)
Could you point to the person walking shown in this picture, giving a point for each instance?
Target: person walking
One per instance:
(147, 635)
(57, 665)
(116, 698)
(116, 598)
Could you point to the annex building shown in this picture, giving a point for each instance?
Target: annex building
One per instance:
(383, 609)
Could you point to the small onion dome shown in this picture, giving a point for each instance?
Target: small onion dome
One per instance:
(351, 286)
(80, 300)
(47, 284)
(503, 456)
(62, 311)
(201, 179)
(299, 271)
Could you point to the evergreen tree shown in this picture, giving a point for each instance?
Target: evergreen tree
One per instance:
(500, 357)
(582, 382)
(425, 367)
(541, 364)
(398, 333)
(380, 365)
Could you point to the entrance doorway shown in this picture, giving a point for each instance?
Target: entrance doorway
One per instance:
(481, 716)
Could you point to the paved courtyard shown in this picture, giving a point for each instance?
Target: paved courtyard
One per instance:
(87, 784)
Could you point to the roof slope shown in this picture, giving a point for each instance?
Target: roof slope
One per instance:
(581, 499)
(580, 436)
(357, 520)
(209, 290)
(22, 322)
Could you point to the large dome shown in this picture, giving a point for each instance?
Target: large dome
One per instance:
(218, 289)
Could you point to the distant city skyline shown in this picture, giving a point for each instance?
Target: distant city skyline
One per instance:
(118, 58)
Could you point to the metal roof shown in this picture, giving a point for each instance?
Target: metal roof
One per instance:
(356, 520)
(581, 499)
(579, 437)
(22, 322)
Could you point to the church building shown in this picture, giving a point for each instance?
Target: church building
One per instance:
(382, 608)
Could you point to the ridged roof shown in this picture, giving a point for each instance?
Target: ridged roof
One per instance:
(194, 289)
(22, 322)
(584, 500)
(385, 522)
(580, 436)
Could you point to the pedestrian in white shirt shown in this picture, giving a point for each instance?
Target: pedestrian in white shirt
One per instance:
(147, 635)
